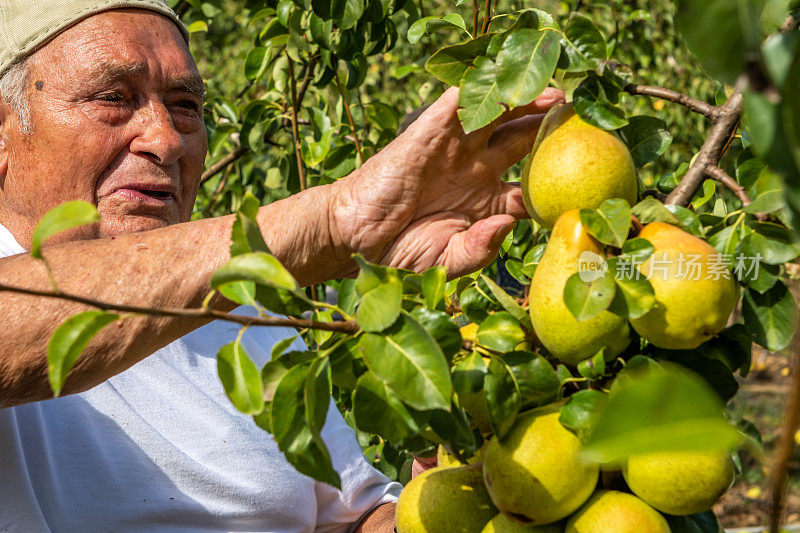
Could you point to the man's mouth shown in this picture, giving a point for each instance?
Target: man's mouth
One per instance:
(145, 195)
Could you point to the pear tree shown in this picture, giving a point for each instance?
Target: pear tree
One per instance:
(626, 308)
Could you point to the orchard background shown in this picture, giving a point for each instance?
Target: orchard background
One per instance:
(706, 94)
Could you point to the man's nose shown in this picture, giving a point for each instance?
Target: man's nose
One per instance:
(157, 138)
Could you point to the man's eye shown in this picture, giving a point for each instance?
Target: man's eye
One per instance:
(188, 104)
(111, 97)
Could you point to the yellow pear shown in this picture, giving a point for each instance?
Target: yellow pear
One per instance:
(618, 512)
(575, 165)
(695, 292)
(558, 330)
(444, 500)
(680, 483)
(503, 524)
(535, 474)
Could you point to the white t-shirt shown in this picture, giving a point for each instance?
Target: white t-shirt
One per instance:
(160, 447)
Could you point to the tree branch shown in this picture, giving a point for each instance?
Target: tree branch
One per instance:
(725, 122)
(223, 163)
(785, 445)
(698, 106)
(716, 173)
(350, 120)
(200, 312)
(301, 168)
(790, 24)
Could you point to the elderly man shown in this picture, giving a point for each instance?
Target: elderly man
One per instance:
(101, 101)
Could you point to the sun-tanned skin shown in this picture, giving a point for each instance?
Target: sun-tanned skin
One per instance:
(116, 106)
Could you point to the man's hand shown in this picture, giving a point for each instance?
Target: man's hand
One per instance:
(434, 195)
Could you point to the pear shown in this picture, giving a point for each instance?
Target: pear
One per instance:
(575, 165)
(444, 500)
(534, 474)
(618, 512)
(680, 483)
(503, 524)
(695, 292)
(558, 330)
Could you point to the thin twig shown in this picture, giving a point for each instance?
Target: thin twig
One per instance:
(350, 119)
(301, 168)
(213, 200)
(182, 7)
(475, 10)
(223, 163)
(785, 446)
(726, 119)
(487, 17)
(698, 106)
(637, 224)
(198, 312)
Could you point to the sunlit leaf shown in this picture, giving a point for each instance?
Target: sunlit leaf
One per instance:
(610, 222)
(647, 138)
(450, 63)
(770, 317)
(587, 299)
(68, 342)
(381, 291)
(478, 96)
(501, 332)
(66, 216)
(241, 378)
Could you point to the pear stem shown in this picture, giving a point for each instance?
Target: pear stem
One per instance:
(637, 224)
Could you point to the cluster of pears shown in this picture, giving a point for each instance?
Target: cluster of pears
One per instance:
(534, 480)
(575, 166)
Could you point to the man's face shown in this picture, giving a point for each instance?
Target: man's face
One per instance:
(116, 107)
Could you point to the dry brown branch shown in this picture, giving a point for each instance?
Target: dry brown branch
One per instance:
(698, 106)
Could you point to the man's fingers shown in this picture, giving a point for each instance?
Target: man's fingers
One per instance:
(477, 246)
(549, 98)
(514, 206)
(512, 141)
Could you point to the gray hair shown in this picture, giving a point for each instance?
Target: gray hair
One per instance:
(14, 90)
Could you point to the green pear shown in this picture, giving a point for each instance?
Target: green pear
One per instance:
(618, 512)
(575, 165)
(535, 474)
(445, 500)
(503, 524)
(680, 483)
(446, 460)
(558, 330)
(695, 292)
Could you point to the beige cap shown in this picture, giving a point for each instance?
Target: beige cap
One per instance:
(26, 25)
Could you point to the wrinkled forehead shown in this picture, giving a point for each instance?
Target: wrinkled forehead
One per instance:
(120, 44)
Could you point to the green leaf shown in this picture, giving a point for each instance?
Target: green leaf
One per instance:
(724, 58)
(256, 63)
(587, 299)
(434, 280)
(287, 419)
(246, 235)
(687, 220)
(260, 268)
(478, 96)
(697, 523)
(525, 64)
(595, 100)
(241, 378)
(713, 370)
(769, 243)
(637, 248)
(410, 361)
(767, 193)
(450, 63)
(378, 410)
(581, 412)
(634, 295)
(532, 258)
(347, 297)
(585, 47)
(535, 376)
(61, 218)
(442, 328)
(468, 374)
(667, 410)
(502, 397)
(790, 109)
(610, 222)
(69, 341)
(346, 13)
(508, 303)
(651, 210)
(381, 291)
(647, 138)
(476, 304)
(501, 332)
(431, 24)
(706, 194)
(770, 317)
